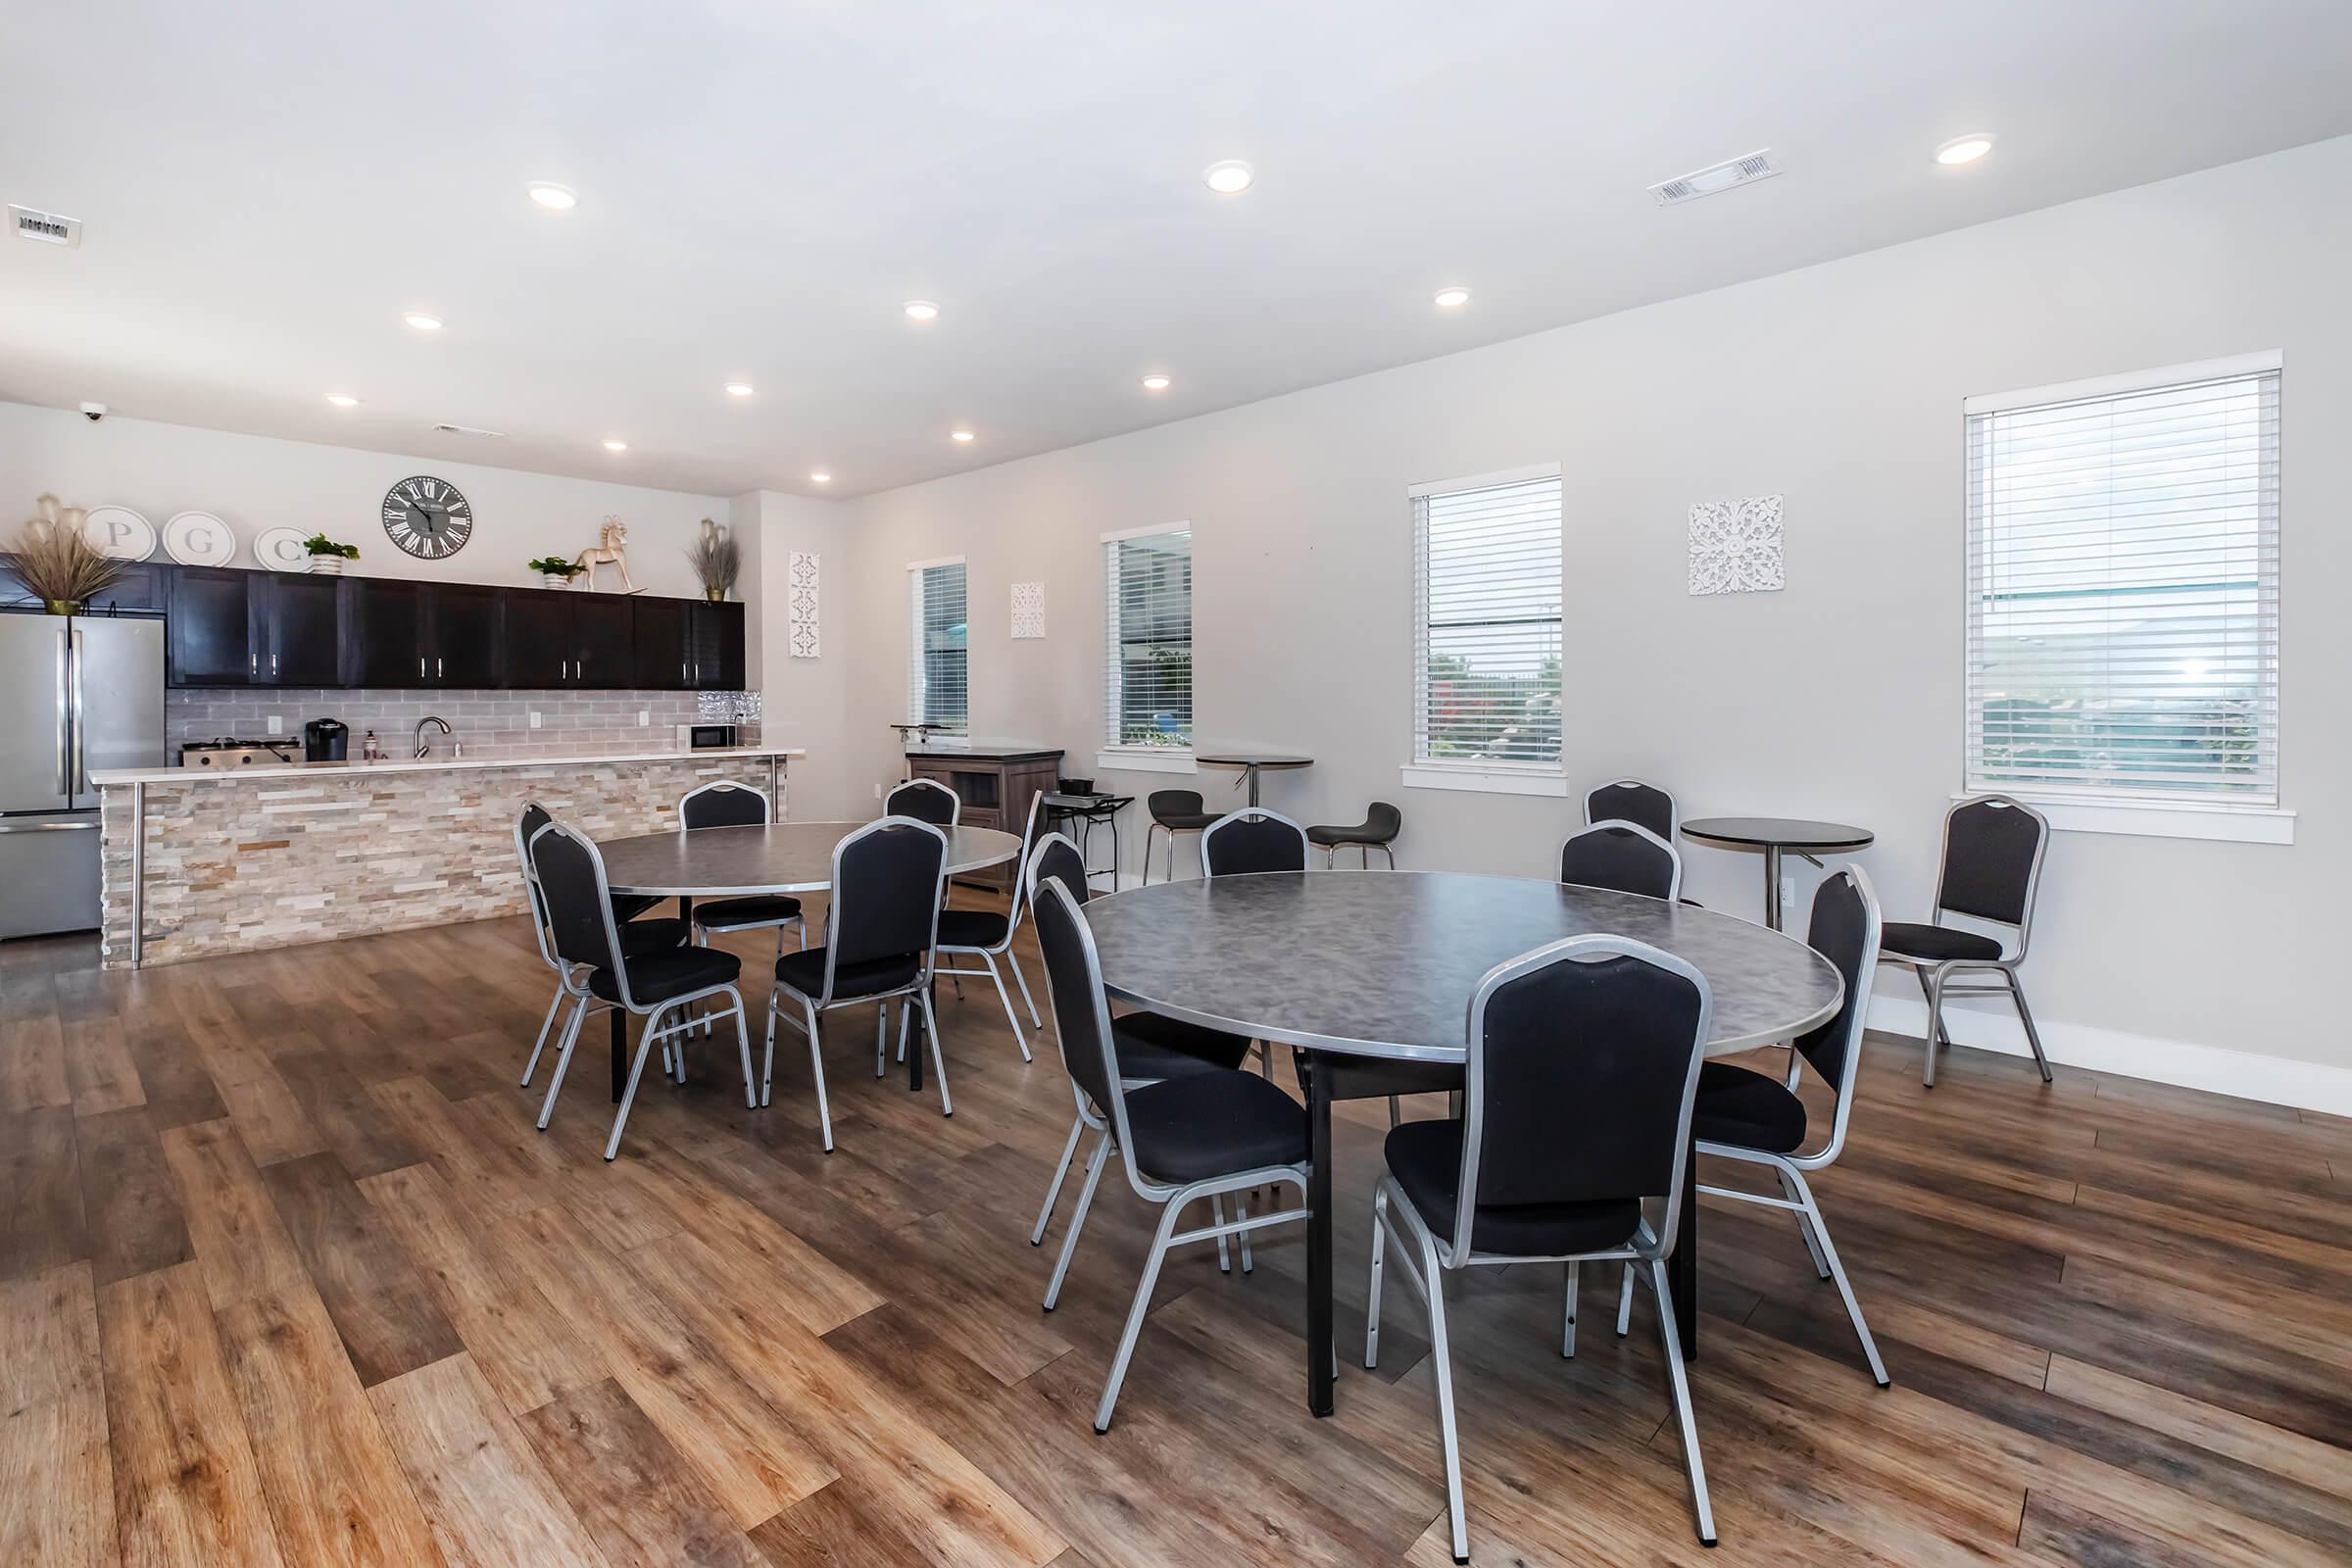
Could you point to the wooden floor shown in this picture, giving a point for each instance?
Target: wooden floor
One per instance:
(286, 1277)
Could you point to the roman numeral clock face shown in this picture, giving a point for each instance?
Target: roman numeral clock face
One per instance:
(430, 519)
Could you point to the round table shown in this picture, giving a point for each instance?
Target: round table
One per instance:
(1383, 963)
(1772, 835)
(727, 862)
(1252, 764)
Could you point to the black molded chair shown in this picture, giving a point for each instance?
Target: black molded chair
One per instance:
(1629, 799)
(1583, 1057)
(926, 799)
(1746, 1115)
(652, 984)
(988, 936)
(1377, 831)
(1173, 812)
(1623, 857)
(643, 937)
(1180, 1139)
(1991, 872)
(881, 930)
(1252, 839)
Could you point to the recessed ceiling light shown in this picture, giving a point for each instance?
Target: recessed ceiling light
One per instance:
(617, 446)
(1965, 149)
(1155, 383)
(1453, 297)
(921, 310)
(821, 477)
(739, 390)
(422, 322)
(959, 435)
(1230, 178)
(555, 198)
(343, 399)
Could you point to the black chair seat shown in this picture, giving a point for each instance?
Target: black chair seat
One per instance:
(1936, 943)
(971, 928)
(665, 975)
(1186, 821)
(761, 909)
(1140, 1060)
(804, 972)
(1426, 1159)
(1213, 1124)
(1156, 1032)
(629, 905)
(1333, 837)
(642, 939)
(1740, 1106)
(1364, 1078)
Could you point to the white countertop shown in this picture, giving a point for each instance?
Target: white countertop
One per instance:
(106, 776)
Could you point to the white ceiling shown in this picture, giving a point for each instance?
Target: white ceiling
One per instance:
(269, 185)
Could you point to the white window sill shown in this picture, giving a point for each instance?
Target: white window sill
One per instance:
(1144, 759)
(2223, 824)
(1484, 780)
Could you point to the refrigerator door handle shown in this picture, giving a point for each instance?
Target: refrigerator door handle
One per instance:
(65, 772)
(80, 779)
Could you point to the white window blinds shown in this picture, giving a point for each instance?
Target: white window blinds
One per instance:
(1148, 638)
(936, 688)
(1487, 621)
(2122, 590)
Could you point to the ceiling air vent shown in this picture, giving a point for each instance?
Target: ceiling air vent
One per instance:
(1745, 170)
(50, 228)
(474, 430)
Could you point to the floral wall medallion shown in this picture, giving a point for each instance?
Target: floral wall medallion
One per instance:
(801, 588)
(1736, 547)
(1028, 609)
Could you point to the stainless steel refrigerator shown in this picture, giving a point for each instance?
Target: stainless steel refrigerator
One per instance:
(76, 695)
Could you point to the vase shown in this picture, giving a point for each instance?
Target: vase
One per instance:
(556, 579)
(326, 566)
(718, 595)
(65, 607)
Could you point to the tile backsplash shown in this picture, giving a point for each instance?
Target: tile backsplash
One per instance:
(489, 723)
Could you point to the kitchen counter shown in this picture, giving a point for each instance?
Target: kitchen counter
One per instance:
(436, 763)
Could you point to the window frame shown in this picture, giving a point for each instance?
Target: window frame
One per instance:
(1110, 753)
(915, 638)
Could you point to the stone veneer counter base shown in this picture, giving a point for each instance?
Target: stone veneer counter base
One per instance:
(238, 863)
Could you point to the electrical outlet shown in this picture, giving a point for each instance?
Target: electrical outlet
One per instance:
(645, 717)
(877, 792)
(1788, 894)
(278, 723)
(535, 719)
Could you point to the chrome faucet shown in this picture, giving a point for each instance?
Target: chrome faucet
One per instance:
(425, 747)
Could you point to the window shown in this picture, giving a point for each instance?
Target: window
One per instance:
(937, 692)
(1487, 623)
(2122, 590)
(1147, 638)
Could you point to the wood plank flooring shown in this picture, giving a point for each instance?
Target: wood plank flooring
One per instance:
(286, 1277)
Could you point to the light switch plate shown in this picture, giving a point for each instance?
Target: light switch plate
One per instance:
(278, 723)
(645, 717)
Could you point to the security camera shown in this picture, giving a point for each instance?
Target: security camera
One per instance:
(93, 412)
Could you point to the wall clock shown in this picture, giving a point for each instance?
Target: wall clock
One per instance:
(430, 519)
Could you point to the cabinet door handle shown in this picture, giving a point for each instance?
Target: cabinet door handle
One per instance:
(272, 667)
(437, 671)
(698, 674)
(682, 669)
(253, 663)
(420, 667)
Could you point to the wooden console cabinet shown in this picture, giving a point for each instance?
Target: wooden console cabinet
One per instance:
(995, 784)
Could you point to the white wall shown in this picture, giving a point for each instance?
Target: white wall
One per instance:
(807, 699)
(1838, 386)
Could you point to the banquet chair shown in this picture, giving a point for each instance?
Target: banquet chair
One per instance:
(637, 935)
(1252, 839)
(1629, 799)
(988, 935)
(926, 799)
(1622, 858)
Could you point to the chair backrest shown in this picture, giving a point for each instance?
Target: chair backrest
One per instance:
(579, 905)
(722, 803)
(1844, 929)
(1383, 822)
(889, 880)
(1057, 857)
(1081, 1009)
(926, 799)
(1252, 839)
(1624, 857)
(1016, 896)
(1993, 849)
(528, 823)
(1164, 805)
(1629, 799)
(1583, 1058)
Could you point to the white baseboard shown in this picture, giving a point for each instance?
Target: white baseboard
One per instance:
(2275, 1080)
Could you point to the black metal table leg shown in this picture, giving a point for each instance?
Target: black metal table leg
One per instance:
(914, 1043)
(1318, 1240)
(1681, 1270)
(621, 1051)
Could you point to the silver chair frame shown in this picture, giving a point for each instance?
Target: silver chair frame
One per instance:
(989, 955)
(546, 952)
(1933, 973)
(955, 801)
(1250, 813)
(1674, 887)
(917, 992)
(1395, 1216)
(1674, 808)
(1158, 826)
(1796, 1195)
(576, 985)
(1172, 1197)
(704, 927)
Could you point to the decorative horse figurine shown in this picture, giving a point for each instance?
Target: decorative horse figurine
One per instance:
(608, 551)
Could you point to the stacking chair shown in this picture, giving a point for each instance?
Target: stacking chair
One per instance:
(1252, 839)
(1582, 1059)
(1623, 857)
(1180, 1139)
(1747, 1115)
(926, 799)
(654, 986)
(638, 937)
(881, 928)
(1173, 812)
(721, 804)
(988, 936)
(1992, 870)
(1377, 831)
(1629, 799)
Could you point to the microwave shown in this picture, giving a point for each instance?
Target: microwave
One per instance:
(709, 737)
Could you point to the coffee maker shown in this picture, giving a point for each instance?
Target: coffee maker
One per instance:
(325, 740)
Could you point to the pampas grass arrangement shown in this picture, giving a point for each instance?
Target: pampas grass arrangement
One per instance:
(56, 563)
(717, 560)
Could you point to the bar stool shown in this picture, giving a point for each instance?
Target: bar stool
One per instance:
(1173, 812)
(1377, 831)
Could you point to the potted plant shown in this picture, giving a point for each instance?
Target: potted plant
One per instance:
(555, 571)
(717, 560)
(327, 555)
(56, 563)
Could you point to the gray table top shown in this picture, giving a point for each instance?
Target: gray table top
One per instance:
(1254, 759)
(1788, 832)
(1383, 963)
(780, 857)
